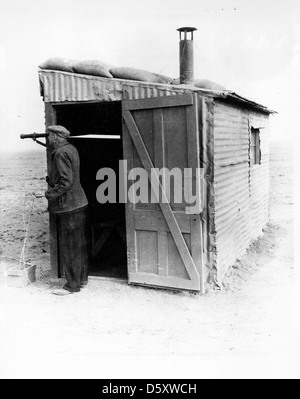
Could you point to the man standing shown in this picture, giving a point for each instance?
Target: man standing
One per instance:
(68, 201)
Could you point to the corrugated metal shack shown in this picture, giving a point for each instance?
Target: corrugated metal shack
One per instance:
(178, 126)
(153, 125)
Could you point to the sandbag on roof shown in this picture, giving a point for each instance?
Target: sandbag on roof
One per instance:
(203, 84)
(93, 67)
(163, 79)
(139, 75)
(208, 84)
(59, 64)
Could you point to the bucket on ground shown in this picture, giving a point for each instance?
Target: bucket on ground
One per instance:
(18, 277)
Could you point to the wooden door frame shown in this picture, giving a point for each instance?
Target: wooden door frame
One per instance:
(50, 119)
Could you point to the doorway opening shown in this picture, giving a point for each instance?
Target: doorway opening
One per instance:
(96, 132)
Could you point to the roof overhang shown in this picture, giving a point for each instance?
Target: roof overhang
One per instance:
(60, 87)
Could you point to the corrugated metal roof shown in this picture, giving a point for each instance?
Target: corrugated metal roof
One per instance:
(59, 86)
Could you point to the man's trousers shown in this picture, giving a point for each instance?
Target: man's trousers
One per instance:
(73, 255)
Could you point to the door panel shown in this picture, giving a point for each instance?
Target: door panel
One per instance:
(164, 242)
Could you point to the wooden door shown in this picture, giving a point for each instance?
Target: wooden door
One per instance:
(164, 242)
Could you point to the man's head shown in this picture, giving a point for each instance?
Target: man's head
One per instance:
(57, 134)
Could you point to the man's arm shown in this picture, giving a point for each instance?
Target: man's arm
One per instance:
(66, 179)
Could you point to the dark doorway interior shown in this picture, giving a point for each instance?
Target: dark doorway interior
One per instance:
(106, 226)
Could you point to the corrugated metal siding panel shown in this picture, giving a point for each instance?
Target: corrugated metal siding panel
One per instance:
(58, 87)
(259, 178)
(259, 189)
(241, 191)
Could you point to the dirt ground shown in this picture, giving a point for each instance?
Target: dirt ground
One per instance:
(249, 329)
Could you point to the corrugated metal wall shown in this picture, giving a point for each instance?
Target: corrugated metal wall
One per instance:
(58, 87)
(259, 177)
(241, 190)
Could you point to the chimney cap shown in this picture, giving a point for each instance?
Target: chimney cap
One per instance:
(187, 29)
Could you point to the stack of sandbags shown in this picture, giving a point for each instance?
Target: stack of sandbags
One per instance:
(59, 64)
(102, 69)
(139, 75)
(90, 67)
(93, 67)
(203, 84)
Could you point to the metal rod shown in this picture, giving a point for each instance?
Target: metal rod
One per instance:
(40, 143)
(34, 136)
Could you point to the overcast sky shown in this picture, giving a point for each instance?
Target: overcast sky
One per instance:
(249, 46)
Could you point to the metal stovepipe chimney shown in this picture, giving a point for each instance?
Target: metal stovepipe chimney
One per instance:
(186, 51)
